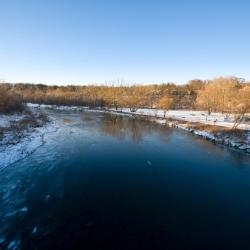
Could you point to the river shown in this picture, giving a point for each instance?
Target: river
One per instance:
(103, 181)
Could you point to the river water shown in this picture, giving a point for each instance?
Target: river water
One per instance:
(112, 182)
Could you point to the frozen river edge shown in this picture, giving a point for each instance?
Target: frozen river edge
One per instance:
(32, 139)
(187, 120)
(28, 141)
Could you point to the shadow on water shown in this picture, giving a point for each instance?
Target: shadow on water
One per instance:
(114, 182)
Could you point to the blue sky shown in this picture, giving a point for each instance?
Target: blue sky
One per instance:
(139, 41)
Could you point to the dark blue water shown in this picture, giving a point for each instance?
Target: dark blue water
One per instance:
(113, 182)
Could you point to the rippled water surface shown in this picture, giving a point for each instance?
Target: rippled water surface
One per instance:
(112, 182)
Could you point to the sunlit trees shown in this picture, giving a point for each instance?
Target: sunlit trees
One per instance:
(135, 98)
(240, 105)
(192, 89)
(165, 104)
(113, 96)
(217, 94)
(227, 95)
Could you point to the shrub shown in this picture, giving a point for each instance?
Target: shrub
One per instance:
(9, 101)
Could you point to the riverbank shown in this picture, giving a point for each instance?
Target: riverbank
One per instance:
(215, 127)
(21, 133)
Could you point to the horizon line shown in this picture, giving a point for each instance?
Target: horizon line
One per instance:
(118, 82)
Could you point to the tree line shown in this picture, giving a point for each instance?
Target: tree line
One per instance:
(224, 94)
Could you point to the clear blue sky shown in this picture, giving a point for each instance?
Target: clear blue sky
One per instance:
(143, 41)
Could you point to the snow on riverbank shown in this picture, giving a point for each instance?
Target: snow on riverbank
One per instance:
(217, 119)
(6, 120)
(10, 154)
(17, 140)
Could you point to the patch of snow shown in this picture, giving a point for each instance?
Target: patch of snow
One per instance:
(235, 144)
(56, 107)
(12, 153)
(205, 135)
(32, 105)
(160, 121)
(243, 147)
(6, 120)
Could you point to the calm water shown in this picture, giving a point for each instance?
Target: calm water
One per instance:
(112, 182)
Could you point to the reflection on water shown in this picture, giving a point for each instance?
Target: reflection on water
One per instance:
(135, 129)
(121, 127)
(114, 182)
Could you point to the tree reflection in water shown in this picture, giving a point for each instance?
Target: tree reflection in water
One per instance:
(134, 128)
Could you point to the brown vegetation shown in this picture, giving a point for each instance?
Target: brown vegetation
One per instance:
(9, 100)
(134, 97)
(165, 104)
(206, 127)
(226, 95)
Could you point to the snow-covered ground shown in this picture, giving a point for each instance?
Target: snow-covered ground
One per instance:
(57, 107)
(16, 145)
(217, 119)
(28, 144)
(6, 120)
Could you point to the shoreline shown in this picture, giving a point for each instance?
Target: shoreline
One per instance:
(238, 140)
(26, 141)
(223, 136)
(22, 134)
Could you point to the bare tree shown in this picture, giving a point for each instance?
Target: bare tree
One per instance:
(241, 105)
(165, 104)
(216, 94)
